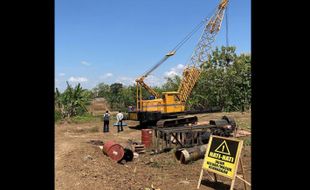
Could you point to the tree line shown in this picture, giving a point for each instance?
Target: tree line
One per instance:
(225, 82)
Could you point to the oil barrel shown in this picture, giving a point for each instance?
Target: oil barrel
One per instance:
(146, 137)
(113, 150)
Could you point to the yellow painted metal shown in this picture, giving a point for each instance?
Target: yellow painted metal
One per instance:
(149, 89)
(133, 116)
(190, 78)
(140, 101)
(171, 102)
(137, 96)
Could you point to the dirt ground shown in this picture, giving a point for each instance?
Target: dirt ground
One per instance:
(82, 165)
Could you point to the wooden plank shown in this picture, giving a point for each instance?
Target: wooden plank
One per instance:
(239, 177)
(238, 155)
(200, 177)
(215, 177)
(242, 169)
(232, 183)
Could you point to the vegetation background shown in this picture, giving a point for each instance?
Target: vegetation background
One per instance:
(225, 82)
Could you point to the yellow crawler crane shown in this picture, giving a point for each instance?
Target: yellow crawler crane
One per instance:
(164, 109)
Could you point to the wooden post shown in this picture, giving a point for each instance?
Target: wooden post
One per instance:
(210, 176)
(199, 181)
(243, 173)
(232, 183)
(243, 180)
(215, 177)
(237, 165)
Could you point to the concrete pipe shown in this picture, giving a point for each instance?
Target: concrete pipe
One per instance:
(187, 155)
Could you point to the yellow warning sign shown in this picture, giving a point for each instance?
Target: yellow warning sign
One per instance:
(222, 155)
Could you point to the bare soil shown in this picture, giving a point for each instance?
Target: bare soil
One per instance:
(80, 164)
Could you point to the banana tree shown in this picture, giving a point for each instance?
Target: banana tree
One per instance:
(72, 101)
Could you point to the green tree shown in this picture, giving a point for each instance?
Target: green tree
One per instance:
(72, 101)
(172, 83)
(101, 90)
(224, 82)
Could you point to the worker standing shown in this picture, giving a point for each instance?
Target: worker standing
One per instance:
(119, 118)
(106, 121)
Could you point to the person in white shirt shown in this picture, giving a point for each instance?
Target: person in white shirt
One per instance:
(119, 118)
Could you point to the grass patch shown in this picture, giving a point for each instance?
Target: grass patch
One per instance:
(244, 125)
(84, 118)
(247, 141)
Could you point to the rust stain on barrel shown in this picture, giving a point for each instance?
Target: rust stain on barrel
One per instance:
(113, 150)
(146, 137)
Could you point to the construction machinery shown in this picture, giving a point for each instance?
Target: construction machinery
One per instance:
(168, 108)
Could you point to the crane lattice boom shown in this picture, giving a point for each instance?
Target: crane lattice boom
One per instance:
(200, 55)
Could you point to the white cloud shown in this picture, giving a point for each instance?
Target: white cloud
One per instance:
(62, 74)
(175, 71)
(170, 73)
(152, 80)
(85, 63)
(107, 75)
(180, 66)
(126, 80)
(78, 79)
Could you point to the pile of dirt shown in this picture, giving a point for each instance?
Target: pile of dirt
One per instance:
(98, 106)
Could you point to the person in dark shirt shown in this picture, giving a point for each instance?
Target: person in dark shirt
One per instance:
(106, 120)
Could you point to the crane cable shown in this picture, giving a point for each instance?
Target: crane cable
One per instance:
(227, 39)
(180, 44)
(188, 36)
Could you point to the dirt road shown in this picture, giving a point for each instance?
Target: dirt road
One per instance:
(80, 165)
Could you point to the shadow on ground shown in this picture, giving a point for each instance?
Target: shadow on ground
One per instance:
(139, 127)
(215, 185)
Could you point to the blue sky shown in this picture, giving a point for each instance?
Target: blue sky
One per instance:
(118, 40)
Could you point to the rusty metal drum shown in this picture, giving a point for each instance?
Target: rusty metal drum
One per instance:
(113, 150)
(146, 137)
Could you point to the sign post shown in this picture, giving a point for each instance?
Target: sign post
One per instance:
(222, 157)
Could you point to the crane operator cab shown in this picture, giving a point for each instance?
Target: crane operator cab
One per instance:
(152, 110)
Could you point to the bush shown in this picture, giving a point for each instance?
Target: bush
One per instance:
(57, 116)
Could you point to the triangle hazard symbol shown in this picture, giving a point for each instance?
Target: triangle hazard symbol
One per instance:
(223, 148)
